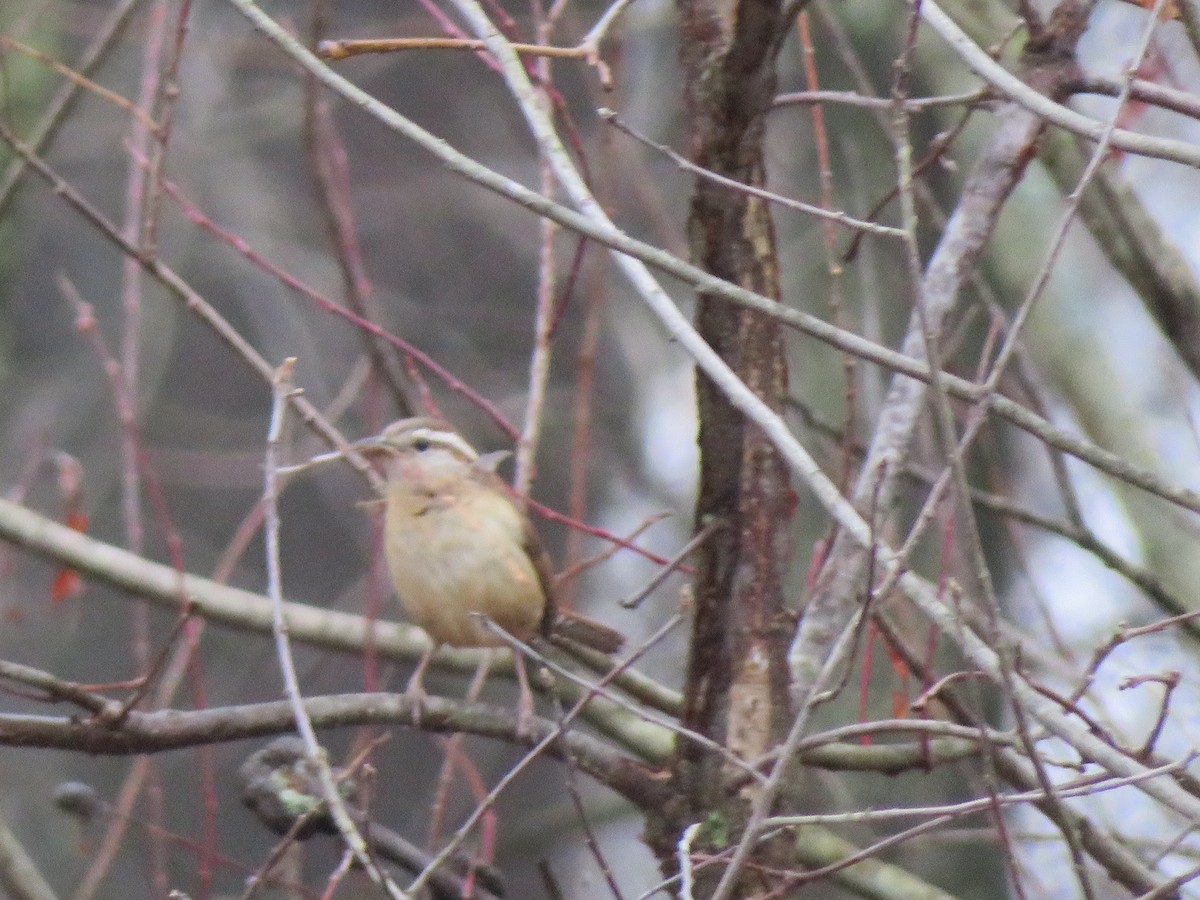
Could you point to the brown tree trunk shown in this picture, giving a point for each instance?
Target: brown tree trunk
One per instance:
(736, 690)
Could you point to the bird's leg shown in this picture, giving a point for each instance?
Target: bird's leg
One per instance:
(475, 688)
(524, 698)
(414, 693)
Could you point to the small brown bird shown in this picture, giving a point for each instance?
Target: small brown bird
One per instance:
(458, 547)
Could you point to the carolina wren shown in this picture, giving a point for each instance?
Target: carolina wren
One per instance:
(459, 548)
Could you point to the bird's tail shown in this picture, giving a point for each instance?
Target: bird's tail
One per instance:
(588, 632)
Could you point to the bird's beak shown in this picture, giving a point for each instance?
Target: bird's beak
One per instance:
(371, 447)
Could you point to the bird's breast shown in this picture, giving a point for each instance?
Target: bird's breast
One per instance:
(454, 552)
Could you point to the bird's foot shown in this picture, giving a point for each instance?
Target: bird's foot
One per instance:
(414, 693)
(416, 698)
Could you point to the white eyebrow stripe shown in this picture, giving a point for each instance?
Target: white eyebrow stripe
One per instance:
(446, 439)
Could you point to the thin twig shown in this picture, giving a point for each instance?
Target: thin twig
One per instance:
(687, 165)
(281, 392)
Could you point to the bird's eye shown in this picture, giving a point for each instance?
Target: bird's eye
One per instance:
(421, 444)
